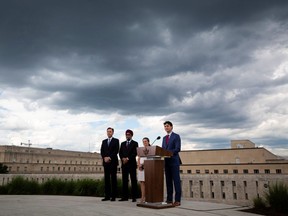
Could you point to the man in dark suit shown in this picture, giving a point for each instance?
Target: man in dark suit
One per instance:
(128, 153)
(172, 142)
(109, 152)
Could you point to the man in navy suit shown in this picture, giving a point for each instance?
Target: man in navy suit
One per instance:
(109, 152)
(172, 142)
(128, 153)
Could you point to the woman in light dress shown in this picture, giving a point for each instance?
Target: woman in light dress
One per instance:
(141, 177)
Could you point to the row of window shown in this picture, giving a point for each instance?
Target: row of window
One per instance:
(234, 171)
(53, 169)
(56, 162)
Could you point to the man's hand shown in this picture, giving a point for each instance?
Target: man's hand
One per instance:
(107, 159)
(125, 160)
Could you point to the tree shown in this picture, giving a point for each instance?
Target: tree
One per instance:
(3, 168)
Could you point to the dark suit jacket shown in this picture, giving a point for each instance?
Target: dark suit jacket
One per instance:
(130, 152)
(174, 145)
(111, 151)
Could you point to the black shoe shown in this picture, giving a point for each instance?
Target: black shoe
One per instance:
(105, 199)
(168, 201)
(112, 199)
(123, 199)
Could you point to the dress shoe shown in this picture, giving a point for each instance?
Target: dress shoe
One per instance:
(123, 199)
(133, 200)
(168, 202)
(105, 199)
(176, 204)
(112, 199)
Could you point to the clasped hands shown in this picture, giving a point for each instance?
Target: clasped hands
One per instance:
(107, 159)
(125, 160)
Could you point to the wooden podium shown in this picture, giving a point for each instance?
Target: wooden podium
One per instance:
(154, 176)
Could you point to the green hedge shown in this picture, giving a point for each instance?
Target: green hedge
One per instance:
(84, 187)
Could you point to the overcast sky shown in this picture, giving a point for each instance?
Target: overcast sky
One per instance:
(217, 69)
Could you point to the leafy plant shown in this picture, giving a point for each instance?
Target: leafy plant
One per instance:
(21, 186)
(277, 197)
(259, 203)
(3, 168)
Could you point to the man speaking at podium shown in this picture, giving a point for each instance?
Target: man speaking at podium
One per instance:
(172, 142)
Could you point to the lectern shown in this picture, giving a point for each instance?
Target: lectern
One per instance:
(154, 176)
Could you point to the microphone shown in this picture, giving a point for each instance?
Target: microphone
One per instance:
(155, 140)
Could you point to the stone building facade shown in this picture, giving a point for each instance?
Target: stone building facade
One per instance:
(28, 160)
(233, 176)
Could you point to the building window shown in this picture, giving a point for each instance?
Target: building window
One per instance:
(256, 171)
(58, 168)
(225, 171)
(41, 169)
(207, 171)
(267, 171)
(47, 169)
(189, 171)
(211, 183)
(223, 195)
(235, 171)
(237, 160)
(233, 183)
(191, 190)
(216, 171)
(222, 183)
(235, 196)
(245, 171)
(245, 183)
(198, 171)
(278, 171)
(181, 171)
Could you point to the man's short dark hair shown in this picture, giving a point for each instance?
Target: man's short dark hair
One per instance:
(169, 123)
(111, 129)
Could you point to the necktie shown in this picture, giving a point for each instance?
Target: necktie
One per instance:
(127, 144)
(167, 139)
(109, 140)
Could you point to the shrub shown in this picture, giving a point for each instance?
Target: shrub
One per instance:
(21, 186)
(3, 168)
(54, 187)
(259, 203)
(277, 197)
(3, 190)
(86, 187)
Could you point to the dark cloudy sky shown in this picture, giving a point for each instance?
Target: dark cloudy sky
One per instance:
(217, 69)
